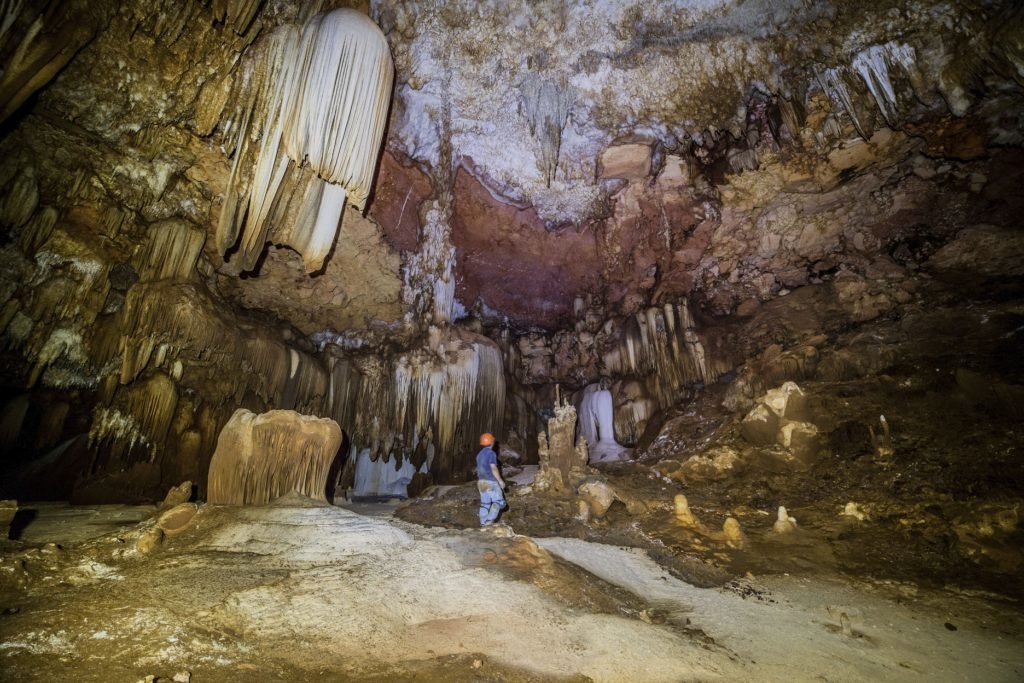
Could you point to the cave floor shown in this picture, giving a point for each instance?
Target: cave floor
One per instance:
(300, 591)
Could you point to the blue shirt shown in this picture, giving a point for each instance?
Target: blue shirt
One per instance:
(484, 459)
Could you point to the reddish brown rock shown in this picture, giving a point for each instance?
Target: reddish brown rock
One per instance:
(507, 260)
(399, 190)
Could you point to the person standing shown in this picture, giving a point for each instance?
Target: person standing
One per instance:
(489, 482)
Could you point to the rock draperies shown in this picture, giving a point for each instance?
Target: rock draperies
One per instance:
(318, 101)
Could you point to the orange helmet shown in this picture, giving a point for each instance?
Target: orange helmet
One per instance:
(486, 439)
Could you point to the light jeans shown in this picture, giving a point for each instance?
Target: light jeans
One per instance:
(492, 501)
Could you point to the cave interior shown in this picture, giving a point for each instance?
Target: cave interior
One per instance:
(711, 271)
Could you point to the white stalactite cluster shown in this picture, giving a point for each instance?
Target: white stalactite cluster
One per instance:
(546, 104)
(315, 105)
(662, 343)
(660, 355)
(427, 405)
(875, 66)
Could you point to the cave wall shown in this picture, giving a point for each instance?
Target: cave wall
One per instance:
(662, 197)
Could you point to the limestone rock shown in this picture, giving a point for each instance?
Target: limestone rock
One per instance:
(788, 402)
(715, 465)
(982, 250)
(779, 417)
(598, 496)
(177, 519)
(802, 440)
(761, 426)
(177, 495)
(632, 161)
(149, 541)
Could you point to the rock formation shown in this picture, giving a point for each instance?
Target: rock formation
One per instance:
(260, 458)
(668, 197)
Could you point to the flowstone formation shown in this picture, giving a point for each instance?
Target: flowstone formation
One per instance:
(308, 137)
(597, 424)
(260, 458)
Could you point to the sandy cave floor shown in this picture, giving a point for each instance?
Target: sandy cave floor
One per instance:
(298, 591)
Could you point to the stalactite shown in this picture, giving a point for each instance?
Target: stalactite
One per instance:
(319, 97)
(430, 403)
(268, 362)
(37, 230)
(546, 104)
(21, 199)
(49, 42)
(167, 313)
(793, 115)
(662, 343)
(262, 457)
(833, 82)
(238, 14)
(139, 415)
(872, 65)
(306, 386)
(171, 251)
(62, 343)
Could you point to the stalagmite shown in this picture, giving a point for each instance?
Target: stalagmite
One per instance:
(262, 457)
(320, 97)
(684, 515)
(733, 533)
(561, 462)
(784, 524)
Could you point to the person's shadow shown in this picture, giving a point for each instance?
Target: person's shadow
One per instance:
(22, 518)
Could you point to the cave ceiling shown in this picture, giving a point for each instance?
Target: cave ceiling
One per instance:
(587, 156)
